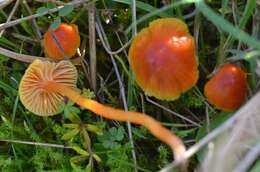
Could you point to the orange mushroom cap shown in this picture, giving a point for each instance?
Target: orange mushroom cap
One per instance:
(32, 90)
(227, 89)
(163, 59)
(68, 37)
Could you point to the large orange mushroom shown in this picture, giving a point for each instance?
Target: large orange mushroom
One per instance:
(163, 59)
(61, 42)
(227, 89)
(45, 83)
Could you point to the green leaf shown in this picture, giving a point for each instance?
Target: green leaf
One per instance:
(8, 88)
(112, 131)
(4, 42)
(120, 134)
(109, 144)
(70, 125)
(70, 103)
(69, 135)
(27, 27)
(97, 158)
(80, 151)
(226, 26)
(94, 129)
(249, 10)
(140, 132)
(88, 93)
(256, 167)
(116, 134)
(215, 121)
(61, 107)
(41, 10)
(109, 138)
(16, 66)
(88, 167)
(77, 159)
(55, 24)
(184, 133)
(51, 5)
(74, 109)
(71, 112)
(144, 6)
(67, 9)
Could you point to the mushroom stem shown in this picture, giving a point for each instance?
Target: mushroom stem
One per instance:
(150, 123)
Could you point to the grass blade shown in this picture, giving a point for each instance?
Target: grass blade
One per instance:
(144, 6)
(226, 26)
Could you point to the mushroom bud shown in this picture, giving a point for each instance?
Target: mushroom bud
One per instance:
(45, 83)
(163, 59)
(227, 89)
(67, 36)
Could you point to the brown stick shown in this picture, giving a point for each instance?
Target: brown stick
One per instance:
(29, 58)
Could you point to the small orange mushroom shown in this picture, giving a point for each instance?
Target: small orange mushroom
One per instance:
(227, 89)
(163, 59)
(67, 36)
(32, 90)
(44, 83)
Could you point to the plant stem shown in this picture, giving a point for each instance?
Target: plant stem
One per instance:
(88, 142)
(28, 58)
(92, 45)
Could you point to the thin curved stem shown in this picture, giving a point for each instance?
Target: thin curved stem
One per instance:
(11, 15)
(53, 10)
(28, 58)
(36, 143)
(151, 124)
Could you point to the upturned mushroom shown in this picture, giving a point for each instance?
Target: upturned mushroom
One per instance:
(61, 42)
(45, 83)
(163, 59)
(227, 89)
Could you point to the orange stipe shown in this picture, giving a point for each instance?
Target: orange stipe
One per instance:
(163, 59)
(45, 83)
(115, 114)
(68, 37)
(227, 89)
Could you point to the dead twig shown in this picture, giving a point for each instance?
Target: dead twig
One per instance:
(53, 10)
(36, 143)
(11, 15)
(92, 45)
(29, 58)
(172, 112)
(251, 105)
